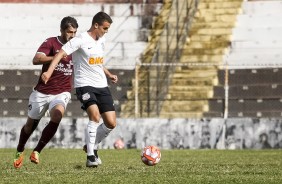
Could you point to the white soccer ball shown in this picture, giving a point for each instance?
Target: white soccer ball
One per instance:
(119, 144)
(150, 155)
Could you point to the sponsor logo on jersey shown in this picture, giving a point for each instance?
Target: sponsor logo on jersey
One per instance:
(66, 69)
(96, 60)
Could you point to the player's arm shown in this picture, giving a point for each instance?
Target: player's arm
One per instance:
(41, 58)
(113, 78)
(46, 75)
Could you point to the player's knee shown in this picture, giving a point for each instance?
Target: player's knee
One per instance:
(35, 124)
(27, 129)
(56, 116)
(111, 124)
(31, 125)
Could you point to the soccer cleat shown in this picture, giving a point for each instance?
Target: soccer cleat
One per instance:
(99, 161)
(18, 161)
(34, 157)
(91, 161)
(84, 148)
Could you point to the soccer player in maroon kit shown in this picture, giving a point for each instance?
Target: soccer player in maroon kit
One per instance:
(53, 96)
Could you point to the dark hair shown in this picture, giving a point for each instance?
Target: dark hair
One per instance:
(67, 22)
(101, 17)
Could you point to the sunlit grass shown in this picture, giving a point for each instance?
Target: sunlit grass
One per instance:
(125, 166)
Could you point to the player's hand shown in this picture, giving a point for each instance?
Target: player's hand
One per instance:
(114, 79)
(45, 77)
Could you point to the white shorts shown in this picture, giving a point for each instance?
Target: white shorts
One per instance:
(39, 103)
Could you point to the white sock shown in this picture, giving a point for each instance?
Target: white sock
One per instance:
(91, 137)
(102, 133)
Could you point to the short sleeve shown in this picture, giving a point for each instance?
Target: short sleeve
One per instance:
(45, 47)
(72, 45)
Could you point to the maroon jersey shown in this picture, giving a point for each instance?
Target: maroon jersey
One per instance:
(61, 79)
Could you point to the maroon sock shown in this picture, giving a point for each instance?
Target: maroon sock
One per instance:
(47, 134)
(23, 139)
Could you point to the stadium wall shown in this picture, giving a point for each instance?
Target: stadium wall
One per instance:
(237, 133)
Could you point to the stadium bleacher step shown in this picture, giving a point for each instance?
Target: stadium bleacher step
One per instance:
(201, 25)
(209, 38)
(207, 58)
(223, 4)
(211, 31)
(181, 114)
(188, 95)
(208, 81)
(187, 106)
(208, 45)
(216, 1)
(194, 74)
(198, 51)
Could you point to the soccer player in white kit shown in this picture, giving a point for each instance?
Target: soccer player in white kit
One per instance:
(90, 82)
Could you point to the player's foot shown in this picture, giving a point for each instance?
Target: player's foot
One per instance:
(91, 161)
(84, 148)
(18, 160)
(34, 157)
(99, 161)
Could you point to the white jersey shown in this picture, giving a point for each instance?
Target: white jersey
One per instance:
(88, 59)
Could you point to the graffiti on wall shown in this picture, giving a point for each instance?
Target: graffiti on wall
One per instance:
(166, 133)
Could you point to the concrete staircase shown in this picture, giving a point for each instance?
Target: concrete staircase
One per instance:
(193, 77)
(140, 82)
(204, 51)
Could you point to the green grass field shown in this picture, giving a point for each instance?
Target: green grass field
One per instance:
(125, 166)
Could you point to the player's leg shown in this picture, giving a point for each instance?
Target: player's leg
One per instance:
(88, 99)
(94, 117)
(57, 108)
(26, 132)
(36, 107)
(48, 132)
(107, 110)
(103, 131)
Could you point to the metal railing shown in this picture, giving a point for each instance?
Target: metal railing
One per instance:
(168, 50)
